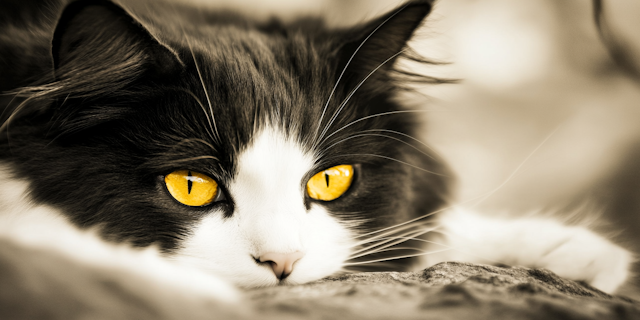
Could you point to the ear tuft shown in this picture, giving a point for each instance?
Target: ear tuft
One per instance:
(383, 39)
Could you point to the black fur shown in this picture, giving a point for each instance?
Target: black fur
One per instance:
(119, 103)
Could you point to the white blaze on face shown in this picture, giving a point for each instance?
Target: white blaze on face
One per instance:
(268, 192)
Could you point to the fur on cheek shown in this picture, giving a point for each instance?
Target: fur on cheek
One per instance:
(34, 228)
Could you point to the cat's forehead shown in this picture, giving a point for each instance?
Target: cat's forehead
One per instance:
(242, 79)
(274, 54)
(252, 82)
(268, 68)
(272, 166)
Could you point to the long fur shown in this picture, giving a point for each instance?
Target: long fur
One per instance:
(111, 97)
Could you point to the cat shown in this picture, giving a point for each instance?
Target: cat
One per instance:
(250, 153)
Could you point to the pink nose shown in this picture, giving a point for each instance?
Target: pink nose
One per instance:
(281, 263)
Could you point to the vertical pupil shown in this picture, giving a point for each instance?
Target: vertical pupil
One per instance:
(189, 182)
(326, 178)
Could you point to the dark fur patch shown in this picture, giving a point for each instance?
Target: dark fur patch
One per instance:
(124, 104)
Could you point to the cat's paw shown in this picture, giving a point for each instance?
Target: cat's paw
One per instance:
(572, 252)
(583, 255)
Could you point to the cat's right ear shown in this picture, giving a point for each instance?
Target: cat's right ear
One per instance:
(98, 37)
(377, 44)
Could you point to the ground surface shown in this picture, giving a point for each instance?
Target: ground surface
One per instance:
(39, 284)
(446, 291)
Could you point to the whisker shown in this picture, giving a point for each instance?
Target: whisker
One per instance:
(379, 248)
(391, 233)
(431, 241)
(30, 93)
(14, 114)
(458, 248)
(343, 104)
(324, 110)
(424, 216)
(412, 239)
(408, 224)
(396, 258)
(383, 264)
(452, 206)
(196, 158)
(387, 250)
(403, 226)
(204, 110)
(379, 135)
(382, 114)
(407, 136)
(394, 229)
(486, 196)
(388, 158)
(187, 140)
(204, 88)
(378, 241)
(7, 107)
(387, 243)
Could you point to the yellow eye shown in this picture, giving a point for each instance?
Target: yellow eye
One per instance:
(330, 184)
(191, 188)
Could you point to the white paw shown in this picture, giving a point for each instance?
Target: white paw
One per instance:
(583, 255)
(571, 252)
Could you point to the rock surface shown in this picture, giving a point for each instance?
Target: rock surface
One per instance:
(448, 290)
(36, 284)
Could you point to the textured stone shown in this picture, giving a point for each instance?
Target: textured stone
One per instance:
(448, 290)
(36, 284)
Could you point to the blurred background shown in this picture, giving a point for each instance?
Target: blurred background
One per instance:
(543, 119)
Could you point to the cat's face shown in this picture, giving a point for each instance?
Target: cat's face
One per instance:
(210, 136)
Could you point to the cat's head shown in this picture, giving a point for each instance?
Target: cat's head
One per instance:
(233, 145)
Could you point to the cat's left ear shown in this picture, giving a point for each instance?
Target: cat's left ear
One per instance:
(100, 37)
(378, 43)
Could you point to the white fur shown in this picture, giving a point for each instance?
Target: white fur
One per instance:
(569, 251)
(270, 216)
(43, 227)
